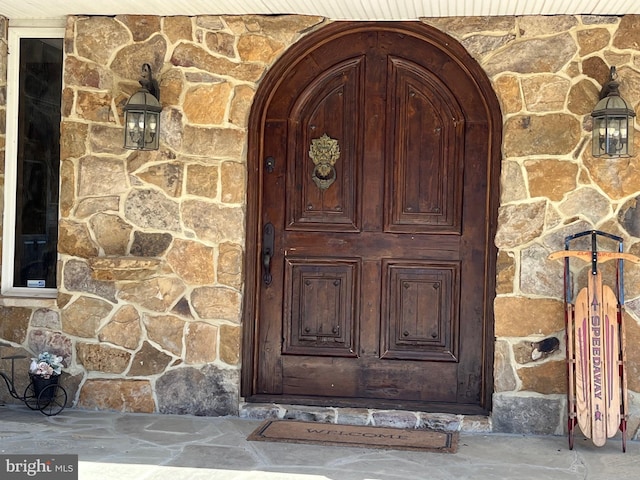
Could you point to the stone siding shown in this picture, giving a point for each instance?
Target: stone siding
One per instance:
(151, 244)
(547, 73)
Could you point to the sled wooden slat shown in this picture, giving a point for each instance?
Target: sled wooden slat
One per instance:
(581, 353)
(611, 363)
(598, 384)
(597, 366)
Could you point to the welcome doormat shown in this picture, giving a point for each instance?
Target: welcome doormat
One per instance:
(295, 431)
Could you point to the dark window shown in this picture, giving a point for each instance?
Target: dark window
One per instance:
(38, 160)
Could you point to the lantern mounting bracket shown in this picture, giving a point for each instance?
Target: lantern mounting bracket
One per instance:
(148, 82)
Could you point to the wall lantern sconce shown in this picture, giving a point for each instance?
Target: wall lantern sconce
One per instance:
(612, 134)
(142, 114)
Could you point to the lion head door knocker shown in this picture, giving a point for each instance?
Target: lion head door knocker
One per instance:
(324, 152)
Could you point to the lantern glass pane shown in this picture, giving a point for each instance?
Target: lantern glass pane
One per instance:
(151, 140)
(598, 136)
(616, 145)
(132, 131)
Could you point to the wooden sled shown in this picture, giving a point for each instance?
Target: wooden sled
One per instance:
(595, 340)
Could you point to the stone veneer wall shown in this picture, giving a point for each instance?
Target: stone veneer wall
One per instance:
(151, 243)
(547, 72)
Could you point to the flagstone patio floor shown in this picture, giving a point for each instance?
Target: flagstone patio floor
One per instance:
(156, 447)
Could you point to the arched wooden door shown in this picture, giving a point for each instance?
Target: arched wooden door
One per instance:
(373, 172)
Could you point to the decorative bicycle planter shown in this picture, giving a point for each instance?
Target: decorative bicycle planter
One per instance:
(50, 396)
(43, 394)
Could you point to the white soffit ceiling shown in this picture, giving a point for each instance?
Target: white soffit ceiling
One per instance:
(334, 9)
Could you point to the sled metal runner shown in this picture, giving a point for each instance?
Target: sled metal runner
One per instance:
(597, 399)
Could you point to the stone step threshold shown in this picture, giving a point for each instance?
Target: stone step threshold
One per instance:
(365, 416)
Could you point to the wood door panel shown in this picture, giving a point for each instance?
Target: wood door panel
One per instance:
(364, 378)
(323, 154)
(321, 306)
(376, 245)
(332, 377)
(415, 381)
(420, 316)
(427, 124)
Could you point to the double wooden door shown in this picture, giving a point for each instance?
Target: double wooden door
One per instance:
(374, 217)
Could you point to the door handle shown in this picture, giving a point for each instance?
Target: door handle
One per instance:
(268, 241)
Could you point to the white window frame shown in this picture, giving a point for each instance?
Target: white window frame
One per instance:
(17, 31)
